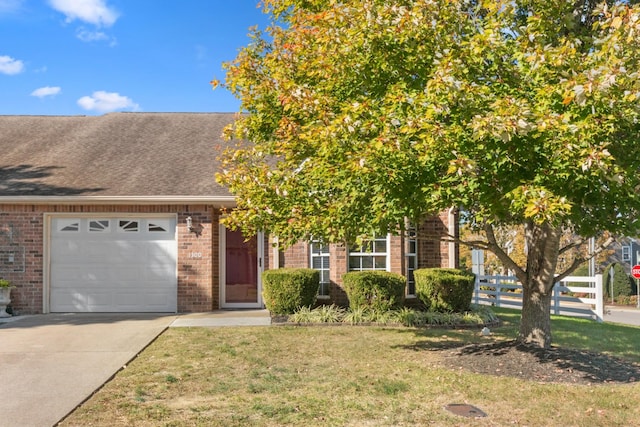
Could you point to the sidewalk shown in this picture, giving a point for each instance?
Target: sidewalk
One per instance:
(223, 318)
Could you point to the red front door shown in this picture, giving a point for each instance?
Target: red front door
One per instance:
(241, 270)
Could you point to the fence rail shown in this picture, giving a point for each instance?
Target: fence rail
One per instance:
(568, 299)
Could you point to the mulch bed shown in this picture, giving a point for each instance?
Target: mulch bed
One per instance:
(553, 365)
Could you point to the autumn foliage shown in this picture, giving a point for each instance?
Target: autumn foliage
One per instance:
(365, 113)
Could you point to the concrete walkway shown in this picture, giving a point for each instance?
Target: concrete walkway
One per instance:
(49, 364)
(224, 318)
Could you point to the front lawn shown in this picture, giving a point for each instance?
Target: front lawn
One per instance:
(351, 376)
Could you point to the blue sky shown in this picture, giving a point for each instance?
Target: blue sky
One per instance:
(90, 57)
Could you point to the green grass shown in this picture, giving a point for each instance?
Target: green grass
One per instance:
(350, 376)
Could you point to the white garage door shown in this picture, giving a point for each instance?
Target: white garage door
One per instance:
(113, 265)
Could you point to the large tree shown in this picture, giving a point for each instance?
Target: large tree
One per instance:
(365, 113)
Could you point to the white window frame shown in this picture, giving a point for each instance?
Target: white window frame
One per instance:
(323, 290)
(626, 253)
(106, 229)
(357, 252)
(123, 229)
(411, 240)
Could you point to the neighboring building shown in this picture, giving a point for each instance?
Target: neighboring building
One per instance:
(120, 213)
(627, 253)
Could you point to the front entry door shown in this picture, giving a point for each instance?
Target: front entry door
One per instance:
(241, 268)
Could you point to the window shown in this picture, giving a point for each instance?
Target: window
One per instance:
(159, 226)
(372, 255)
(411, 257)
(320, 261)
(626, 253)
(128, 226)
(68, 225)
(98, 226)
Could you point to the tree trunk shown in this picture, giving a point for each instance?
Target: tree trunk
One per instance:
(543, 244)
(535, 323)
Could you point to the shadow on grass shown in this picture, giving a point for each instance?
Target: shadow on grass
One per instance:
(440, 339)
(584, 352)
(555, 364)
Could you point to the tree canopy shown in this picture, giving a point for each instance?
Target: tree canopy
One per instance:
(364, 113)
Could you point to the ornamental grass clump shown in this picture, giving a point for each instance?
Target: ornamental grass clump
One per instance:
(445, 289)
(285, 290)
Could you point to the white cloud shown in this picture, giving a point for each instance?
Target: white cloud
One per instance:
(95, 12)
(93, 36)
(105, 102)
(46, 91)
(10, 66)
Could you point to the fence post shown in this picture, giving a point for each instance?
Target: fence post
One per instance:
(599, 298)
(477, 289)
(556, 298)
(498, 289)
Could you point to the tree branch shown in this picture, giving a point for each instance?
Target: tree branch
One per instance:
(578, 261)
(502, 255)
(573, 244)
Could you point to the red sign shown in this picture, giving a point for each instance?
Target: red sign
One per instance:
(635, 271)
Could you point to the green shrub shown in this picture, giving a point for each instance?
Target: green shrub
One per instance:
(287, 289)
(377, 290)
(445, 289)
(622, 282)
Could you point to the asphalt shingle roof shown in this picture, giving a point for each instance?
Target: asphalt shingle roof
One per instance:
(117, 154)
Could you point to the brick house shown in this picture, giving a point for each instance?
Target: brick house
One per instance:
(120, 213)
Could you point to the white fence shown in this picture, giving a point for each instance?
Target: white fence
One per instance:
(568, 299)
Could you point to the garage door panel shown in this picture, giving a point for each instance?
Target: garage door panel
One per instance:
(109, 270)
(157, 299)
(100, 301)
(93, 275)
(157, 273)
(112, 252)
(68, 300)
(128, 300)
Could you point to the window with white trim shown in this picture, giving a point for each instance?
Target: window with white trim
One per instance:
(68, 225)
(626, 253)
(372, 255)
(128, 226)
(158, 225)
(411, 258)
(99, 225)
(320, 261)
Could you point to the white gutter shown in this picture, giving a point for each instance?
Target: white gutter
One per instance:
(218, 201)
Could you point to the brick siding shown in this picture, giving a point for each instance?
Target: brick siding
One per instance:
(22, 227)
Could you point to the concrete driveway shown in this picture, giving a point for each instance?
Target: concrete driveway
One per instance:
(49, 364)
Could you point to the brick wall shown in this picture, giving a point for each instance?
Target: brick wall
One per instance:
(432, 250)
(197, 259)
(22, 229)
(21, 239)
